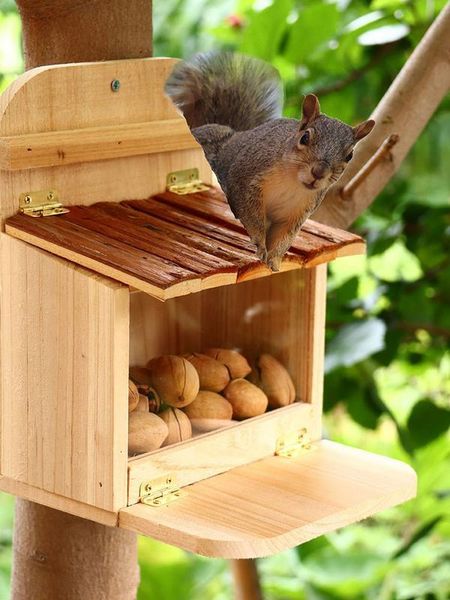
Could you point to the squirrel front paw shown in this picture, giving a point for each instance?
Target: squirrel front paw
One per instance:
(274, 262)
(261, 253)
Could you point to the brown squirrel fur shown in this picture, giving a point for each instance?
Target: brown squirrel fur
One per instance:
(274, 171)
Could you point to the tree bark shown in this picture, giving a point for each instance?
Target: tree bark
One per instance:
(404, 110)
(57, 555)
(62, 31)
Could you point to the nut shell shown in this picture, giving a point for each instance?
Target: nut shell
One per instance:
(246, 399)
(200, 426)
(174, 379)
(209, 405)
(275, 381)
(142, 404)
(213, 374)
(237, 365)
(140, 375)
(178, 424)
(133, 396)
(146, 432)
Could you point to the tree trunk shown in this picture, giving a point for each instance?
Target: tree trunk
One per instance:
(404, 110)
(60, 556)
(63, 31)
(57, 555)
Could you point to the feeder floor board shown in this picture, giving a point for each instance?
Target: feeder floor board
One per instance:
(171, 245)
(276, 503)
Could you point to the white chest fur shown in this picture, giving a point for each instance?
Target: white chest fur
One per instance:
(286, 198)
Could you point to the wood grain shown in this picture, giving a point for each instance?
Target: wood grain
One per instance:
(74, 146)
(283, 315)
(58, 99)
(63, 503)
(171, 245)
(220, 451)
(64, 357)
(276, 503)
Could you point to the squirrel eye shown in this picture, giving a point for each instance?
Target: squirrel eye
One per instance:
(304, 140)
(349, 156)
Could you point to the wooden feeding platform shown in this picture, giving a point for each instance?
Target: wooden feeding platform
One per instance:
(122, 271)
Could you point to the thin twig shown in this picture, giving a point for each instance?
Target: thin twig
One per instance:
(383, 153)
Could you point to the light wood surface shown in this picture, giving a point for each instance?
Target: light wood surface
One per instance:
(282, 315)
(220, 451)
(94, 143)
(64, 370)
(52, 500)
(276, 503)
(172, 245)
(58, 98)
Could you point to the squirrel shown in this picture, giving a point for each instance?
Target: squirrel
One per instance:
(274, 171)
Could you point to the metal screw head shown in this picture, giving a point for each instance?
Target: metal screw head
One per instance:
(115, 85)
(27, 199)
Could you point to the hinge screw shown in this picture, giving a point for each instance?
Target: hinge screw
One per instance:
(115, 85)
(27, 199)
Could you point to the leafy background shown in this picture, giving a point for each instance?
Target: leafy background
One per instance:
(387, 386)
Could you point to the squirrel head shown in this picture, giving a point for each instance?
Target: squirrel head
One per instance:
(324, 146)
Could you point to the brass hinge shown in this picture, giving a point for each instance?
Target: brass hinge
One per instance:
(159, 492)
(43, 203)
(185, 182)
(293, 444)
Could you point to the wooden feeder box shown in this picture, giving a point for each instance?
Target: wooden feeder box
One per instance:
(119, 270)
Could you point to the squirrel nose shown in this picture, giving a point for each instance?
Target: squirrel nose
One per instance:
(319, 170)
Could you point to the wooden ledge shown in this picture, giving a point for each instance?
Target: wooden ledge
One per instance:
(54, 148)
(171, 245)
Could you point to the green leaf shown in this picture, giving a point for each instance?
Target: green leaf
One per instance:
(396, 264)
(264, 31)
(420, 533)
(316, 24)
(347, 575)
(354, 343)
(383, 35)
(427, 422)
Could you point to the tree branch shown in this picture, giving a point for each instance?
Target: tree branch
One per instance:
(405, 110)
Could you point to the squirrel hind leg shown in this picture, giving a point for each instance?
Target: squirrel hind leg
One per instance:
(279, 239)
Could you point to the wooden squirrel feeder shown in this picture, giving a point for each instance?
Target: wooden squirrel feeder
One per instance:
(136, 269)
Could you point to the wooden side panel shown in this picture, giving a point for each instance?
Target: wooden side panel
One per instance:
(220, 451)
(73, 507)
(276, 503)
(64, 362)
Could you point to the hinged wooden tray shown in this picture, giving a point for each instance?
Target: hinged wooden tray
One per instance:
(171, 245)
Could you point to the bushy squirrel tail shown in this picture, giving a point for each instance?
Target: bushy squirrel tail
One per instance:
(226, 88)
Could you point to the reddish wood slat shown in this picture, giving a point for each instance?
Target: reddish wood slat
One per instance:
(61, 232)
(168, 240)
(97, 218)
(311, 240)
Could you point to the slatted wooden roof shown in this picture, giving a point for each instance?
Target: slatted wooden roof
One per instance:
(171, 245)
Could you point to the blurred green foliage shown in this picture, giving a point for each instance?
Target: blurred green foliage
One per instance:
(387, 387)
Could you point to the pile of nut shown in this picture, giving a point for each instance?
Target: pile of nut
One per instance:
(176, 397)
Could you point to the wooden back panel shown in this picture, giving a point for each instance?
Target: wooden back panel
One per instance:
(71, 97)
(283, 315)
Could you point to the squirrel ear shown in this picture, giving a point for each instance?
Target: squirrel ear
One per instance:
(363, 129)
(310, 110)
